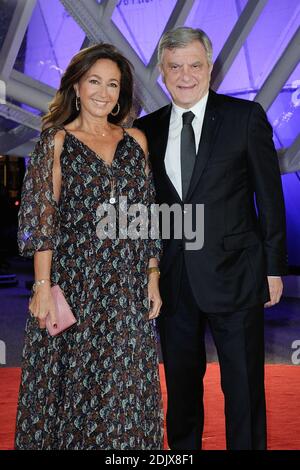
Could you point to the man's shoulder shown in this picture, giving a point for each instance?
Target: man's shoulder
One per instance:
(232, 102)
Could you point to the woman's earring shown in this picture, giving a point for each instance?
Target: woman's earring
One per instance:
(77, 103)
(118, 110)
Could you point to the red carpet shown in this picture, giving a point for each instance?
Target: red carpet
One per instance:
(283, 409)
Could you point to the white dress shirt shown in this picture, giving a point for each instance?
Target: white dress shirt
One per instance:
(172, 158)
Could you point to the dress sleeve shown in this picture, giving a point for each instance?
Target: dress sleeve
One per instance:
(154, 241)
(39, 215)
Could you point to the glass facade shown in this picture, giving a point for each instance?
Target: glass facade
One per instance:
(51, 39)
(284, 114)
(142, 23)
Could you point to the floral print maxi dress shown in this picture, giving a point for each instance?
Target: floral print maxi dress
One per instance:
(95, 386)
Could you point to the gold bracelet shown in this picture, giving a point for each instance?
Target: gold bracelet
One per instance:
(154, 269)
(39, 283)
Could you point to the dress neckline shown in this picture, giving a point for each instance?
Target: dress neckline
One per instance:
(99, 157)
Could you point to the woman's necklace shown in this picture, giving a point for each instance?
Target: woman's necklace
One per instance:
(112, 196)
(112, 199)
(112, 179)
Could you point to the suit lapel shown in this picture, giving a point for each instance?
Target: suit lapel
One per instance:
(161, 133)
(211, 124)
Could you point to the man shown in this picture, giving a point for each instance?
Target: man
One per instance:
(215, 150)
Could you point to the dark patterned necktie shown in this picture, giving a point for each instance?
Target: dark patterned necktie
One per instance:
(187, 151)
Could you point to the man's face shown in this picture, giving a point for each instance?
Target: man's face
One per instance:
(186, 73)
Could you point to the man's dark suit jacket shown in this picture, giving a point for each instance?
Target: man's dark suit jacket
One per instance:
(237, 178)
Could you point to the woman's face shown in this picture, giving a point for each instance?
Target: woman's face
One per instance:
(99, 88)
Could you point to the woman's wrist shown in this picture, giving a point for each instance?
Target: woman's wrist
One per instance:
(153, 271)
(41, 283)
(153, 278)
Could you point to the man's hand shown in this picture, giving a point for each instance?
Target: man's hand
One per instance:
(275, 289)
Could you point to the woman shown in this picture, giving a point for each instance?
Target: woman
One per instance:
(96, 385)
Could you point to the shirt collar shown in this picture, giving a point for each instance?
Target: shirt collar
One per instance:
(197, 109)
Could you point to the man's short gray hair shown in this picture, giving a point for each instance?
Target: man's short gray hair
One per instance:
(181, 37)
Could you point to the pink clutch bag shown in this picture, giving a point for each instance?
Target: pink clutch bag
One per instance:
(64, 316)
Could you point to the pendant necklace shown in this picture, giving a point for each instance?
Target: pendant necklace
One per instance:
(112, 179)
(112, 199)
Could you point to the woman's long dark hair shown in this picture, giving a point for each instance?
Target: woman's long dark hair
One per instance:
(62, 109)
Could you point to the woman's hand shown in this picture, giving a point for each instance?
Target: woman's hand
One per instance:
(154, 296)
(42, 304)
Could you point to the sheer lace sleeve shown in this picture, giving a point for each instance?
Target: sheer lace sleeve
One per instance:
(39, 214)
